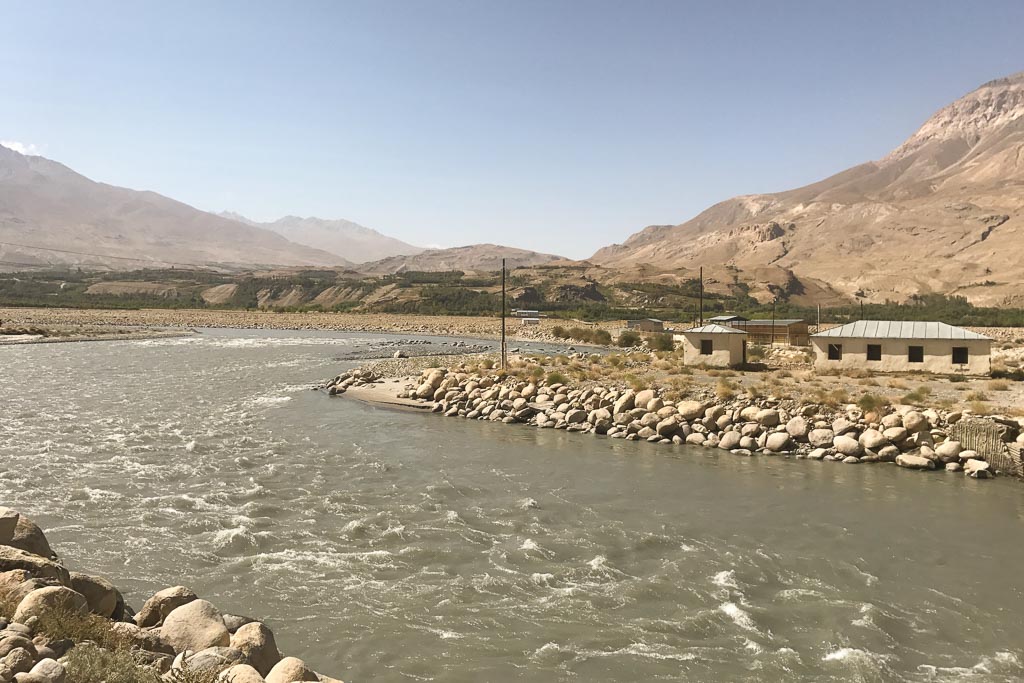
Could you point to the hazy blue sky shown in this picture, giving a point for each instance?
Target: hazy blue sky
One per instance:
(557, 126)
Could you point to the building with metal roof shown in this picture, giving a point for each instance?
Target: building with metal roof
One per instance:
(903, 346)
(646, 325)
(726, 318)
(780, 331)
(713, 345)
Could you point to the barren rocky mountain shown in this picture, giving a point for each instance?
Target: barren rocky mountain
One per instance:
(943, 213)
(82, 222)
(476, 257)
(350, 241)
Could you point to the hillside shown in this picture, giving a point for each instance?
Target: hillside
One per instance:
(473, 258)
(943, 213)
(350, 241)
(46, 204)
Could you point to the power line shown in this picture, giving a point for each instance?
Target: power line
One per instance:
(106, 256)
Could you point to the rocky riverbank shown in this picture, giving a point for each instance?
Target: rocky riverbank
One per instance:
(909, 437)
(62, 626)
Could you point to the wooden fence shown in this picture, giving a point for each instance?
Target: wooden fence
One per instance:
(990, 441)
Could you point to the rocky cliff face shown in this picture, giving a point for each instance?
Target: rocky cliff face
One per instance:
(941, 213)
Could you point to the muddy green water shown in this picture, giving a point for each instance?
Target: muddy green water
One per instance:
(390, 546)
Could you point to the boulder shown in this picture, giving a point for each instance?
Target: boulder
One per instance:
(873, 439)
(36, 565)
(30, 538)
(847, 446)
(624, 403)
(798, 427)
(235, 622)
(143, 639)
(690, 410)
(821, 438)
(214, 659)
(257, 642)
(978, 469)
(777, 442)
(841, 426)
(16, 641)
(896, 434)
(18, 660)
(50, 669)
(163, 603)
(8, 524)
(953, 467)
(642, 398)
(50, 599)
(851, 460)
(914, 462)
(769, 417)
(289, 670)
(729, 440)
(195, 626)
(667, 427)
(576, 416)
(240, 673)
(695, 439)
(948, 451)
(915, 422)
(99, 593)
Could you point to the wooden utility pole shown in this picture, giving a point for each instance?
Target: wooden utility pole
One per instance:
(504, 346)
(773, 320)
(702, 295)
(817, 328)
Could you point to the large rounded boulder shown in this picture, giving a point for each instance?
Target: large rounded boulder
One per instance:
(51, 599)
(289, 670)
(163, 603)
(99, 593)
(258, 644)
(195, 626)
(240, 673)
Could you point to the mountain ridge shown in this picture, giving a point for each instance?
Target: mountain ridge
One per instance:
(951, 194)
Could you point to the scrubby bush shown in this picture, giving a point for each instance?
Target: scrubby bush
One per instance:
(87, 663)
(661, 342)
(871, 403)
(628, 338)
(556, 377)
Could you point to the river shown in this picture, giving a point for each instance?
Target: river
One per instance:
(392, 546)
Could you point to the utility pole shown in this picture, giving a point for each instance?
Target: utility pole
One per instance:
(504, 346)
(702, 295)
(817, 328)
(773, 320)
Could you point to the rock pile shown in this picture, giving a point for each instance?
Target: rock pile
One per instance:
(352, 378)
(902, 435)
(45, 607)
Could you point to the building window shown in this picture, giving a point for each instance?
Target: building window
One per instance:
(874, 352)
(835, 351)
(915, 354)
(707, 347)
(960, 356)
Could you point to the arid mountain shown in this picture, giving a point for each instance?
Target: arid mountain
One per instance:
(476, 257)
(943, 213)
(350, 241)
(81, 222)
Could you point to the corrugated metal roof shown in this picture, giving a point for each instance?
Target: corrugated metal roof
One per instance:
(899, 329)
(713, 328)
(725, 318)
(767, 321)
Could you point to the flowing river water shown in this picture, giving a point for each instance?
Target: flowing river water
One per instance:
(392, 546)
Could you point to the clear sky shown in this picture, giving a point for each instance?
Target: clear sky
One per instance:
(552, 125)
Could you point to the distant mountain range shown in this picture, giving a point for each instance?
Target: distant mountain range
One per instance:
(349, 241)
(943, 213)
(51, 215)
(476, 257)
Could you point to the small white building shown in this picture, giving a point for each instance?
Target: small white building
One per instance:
(903, 346)
(713, 345)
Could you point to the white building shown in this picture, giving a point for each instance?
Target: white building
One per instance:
(903, 346)
(713, 345)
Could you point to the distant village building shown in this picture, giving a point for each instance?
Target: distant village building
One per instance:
(646, 325)
(727, 319)
(793, 332)
(713, 345)
(903, 346)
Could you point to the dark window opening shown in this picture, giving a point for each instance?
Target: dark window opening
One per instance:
(707, 347)
(915, 354)
(874, 352)
(835, 351)
(960, 356)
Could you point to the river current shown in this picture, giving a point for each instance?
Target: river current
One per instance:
(391, 546)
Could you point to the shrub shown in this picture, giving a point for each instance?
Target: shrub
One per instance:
(662, 342)
(870, 403)
(556, 378)
(755, 352)
(87, 663)
(999, 385)
(61, 622)
(976, 396)
(725, 390)
(628, 338)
